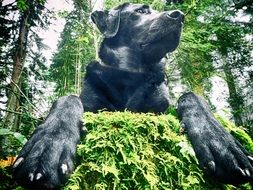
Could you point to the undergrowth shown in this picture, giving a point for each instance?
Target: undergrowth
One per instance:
(124, 150)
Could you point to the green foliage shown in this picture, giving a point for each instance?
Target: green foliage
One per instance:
(107, 159)
(153, 3)
(75, 50)
(233, 52)
(6, 178)
(214, 43)
(125, 150)
(11, 142)
(22, 5)
(21, 138)
(193, 56)
(22, 18)
(238, 132)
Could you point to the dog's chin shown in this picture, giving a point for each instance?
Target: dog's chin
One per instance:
(169, 42)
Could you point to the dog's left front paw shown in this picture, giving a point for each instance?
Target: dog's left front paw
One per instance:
(220, 155)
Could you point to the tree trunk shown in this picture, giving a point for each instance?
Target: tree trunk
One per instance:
(18, 62)
(235, 100)
(96, 5)
(78, 69)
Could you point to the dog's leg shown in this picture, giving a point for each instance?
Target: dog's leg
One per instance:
(97, 94)
(219, 154)
(47, 158)
(149, 98)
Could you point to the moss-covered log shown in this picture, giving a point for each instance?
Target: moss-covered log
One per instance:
(124, 150)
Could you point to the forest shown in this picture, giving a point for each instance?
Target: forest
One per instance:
(214, 60)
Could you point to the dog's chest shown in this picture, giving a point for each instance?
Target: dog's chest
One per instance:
(113, 77)
(121, 82)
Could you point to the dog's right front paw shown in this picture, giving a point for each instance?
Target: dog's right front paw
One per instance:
(47, 159)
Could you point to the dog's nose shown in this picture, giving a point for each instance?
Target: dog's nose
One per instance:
(176, 15)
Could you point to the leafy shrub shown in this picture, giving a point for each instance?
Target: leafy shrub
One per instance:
(238, 132)
(11, 142)
(125, 150)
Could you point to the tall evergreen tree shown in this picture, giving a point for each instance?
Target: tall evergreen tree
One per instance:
(75, 50)
(31, 14)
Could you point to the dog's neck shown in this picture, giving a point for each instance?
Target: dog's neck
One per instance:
(124, 58)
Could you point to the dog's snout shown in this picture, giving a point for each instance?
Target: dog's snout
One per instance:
(176, 15)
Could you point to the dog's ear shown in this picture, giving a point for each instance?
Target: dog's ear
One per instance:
(107, 22)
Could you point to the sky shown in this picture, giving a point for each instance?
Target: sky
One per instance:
(52, 35)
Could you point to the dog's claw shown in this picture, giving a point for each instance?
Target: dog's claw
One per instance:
(250, 158)
(38, 176)
(31, 176)
(36, 171)
(212, 142)
(242, 171)
(211, 166)
(64, 168)
(21, 159)
(247, 172)
(85, 130)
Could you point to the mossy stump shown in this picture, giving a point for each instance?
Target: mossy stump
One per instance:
(124, 150)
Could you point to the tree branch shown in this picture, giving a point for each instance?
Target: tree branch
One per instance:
(19, 113)
(27, 99)
(10, 111)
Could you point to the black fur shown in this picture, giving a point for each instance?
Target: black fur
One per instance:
(41, 163)
(130, 76)
(115, 89)
(219, 154)
(132, 72)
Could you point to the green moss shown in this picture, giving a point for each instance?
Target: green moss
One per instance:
(125, 150)
(238, 132)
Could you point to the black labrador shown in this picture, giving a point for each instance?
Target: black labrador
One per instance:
(130, 76)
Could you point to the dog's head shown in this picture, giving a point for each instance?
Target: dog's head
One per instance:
(141, 28)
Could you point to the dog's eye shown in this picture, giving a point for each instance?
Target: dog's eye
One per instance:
(142, 11)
